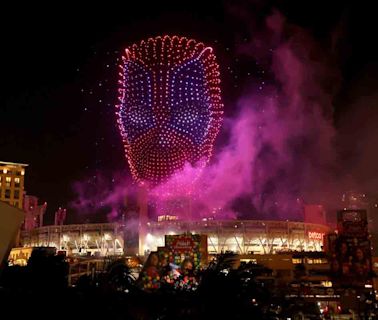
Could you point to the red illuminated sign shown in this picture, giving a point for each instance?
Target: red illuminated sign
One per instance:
(183, 244)
(313, 235)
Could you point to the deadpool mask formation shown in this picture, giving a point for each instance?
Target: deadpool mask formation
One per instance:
(170, 109)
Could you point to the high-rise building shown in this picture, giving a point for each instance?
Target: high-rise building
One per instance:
(368, 202)
(355, 200)
(12, 183)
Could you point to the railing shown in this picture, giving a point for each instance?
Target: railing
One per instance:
(84, 267)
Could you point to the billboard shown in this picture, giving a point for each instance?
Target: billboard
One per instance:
(186, 246)
(352, 259)
(351, 250)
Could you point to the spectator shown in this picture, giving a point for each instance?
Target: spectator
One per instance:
(149, 277)
(187, 268)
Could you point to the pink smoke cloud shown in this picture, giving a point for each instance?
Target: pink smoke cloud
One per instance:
(281, 146)
(102, 194)
(280, 152)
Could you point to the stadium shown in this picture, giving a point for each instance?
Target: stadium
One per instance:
(239, 236)
(170, 112)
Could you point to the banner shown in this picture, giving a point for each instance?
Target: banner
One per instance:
(351, 250)
(186, 246)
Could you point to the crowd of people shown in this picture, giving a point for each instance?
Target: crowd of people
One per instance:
(158, 272)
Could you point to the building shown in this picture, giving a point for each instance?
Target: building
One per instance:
(369, 202)
(314, 213)
(12, 183)
(33, 212)
(239, 236)
(243, 236)
(99, 239)
(311, 269)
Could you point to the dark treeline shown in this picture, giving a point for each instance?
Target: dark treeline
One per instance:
(40, 290)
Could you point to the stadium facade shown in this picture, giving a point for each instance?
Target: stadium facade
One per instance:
(239, 236)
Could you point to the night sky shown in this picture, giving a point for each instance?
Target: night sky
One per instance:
(59, 75)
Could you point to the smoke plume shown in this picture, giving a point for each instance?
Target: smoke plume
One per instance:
(280, 152)
(281, 148)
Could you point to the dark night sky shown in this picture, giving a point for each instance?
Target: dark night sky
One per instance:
(59, 78)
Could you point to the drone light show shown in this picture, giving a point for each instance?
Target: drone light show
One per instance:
(170, 109)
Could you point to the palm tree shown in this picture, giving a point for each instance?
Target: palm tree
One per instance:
(119, 276)
(226, 292)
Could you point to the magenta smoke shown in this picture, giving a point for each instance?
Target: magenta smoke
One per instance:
(280, 150)
(280, 153)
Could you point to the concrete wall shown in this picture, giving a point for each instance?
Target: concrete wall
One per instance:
(10, 222)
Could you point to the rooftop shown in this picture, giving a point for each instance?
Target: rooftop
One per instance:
(3, 163)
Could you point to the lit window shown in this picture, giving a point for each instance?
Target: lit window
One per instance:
(327, 284)
(5, 170)
(17, 182)
(8, 181)
(296, 260)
